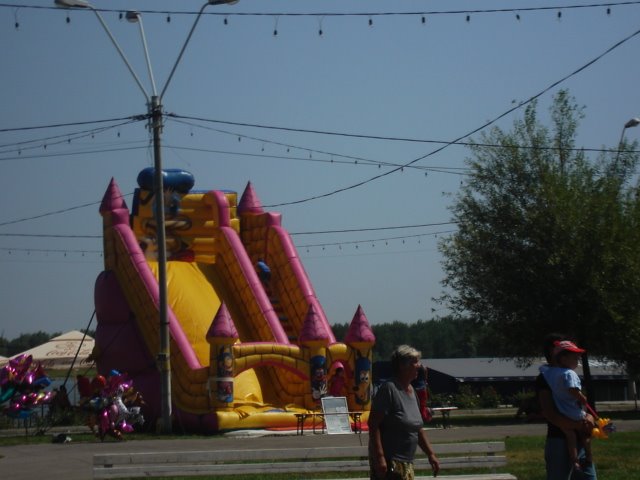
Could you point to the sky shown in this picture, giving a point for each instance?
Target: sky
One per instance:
(302, 99)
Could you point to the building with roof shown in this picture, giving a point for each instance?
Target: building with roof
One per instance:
(508, 378)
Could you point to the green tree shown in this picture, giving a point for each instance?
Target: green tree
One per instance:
(28, 340)
(547, 240)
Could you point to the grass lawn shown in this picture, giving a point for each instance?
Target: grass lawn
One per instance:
(616, 458)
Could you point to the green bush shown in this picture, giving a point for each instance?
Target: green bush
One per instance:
(466, 397)
(441, 400)
(489, 398)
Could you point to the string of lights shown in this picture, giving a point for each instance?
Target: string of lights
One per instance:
(481, 11)
(334, 157)
(368, 137)
(370, 229)
(44, 143)
(78, 152)
(307, 247)
(397, 168)
(73, 124)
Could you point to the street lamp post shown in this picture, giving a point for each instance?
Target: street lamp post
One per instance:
(154, 109)
(634, 122)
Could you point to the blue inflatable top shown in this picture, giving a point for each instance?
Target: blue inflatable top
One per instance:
(174, 179)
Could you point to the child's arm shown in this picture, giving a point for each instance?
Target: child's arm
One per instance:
(578, 395)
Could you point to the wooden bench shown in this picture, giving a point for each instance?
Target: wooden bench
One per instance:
(445, 412)
(295, 461)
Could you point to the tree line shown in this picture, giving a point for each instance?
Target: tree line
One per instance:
(26, 341)
(445, 337)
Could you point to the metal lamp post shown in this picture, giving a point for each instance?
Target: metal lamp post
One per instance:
(154, 107)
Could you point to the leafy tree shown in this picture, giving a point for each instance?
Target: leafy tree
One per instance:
(4, 346)
(547, 240)
(446, 337)
(28, 340)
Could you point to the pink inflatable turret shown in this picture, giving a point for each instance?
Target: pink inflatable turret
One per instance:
(221, 336)
(361, 339)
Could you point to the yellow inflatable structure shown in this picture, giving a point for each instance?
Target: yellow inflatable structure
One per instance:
(250, 343)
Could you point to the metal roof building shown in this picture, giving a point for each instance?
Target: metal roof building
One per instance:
(446, 375)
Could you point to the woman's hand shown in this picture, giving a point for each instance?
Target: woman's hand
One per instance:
(380, 466)
(435, 464)
(588, 423)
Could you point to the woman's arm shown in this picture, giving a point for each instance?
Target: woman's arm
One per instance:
(425, 445)
(376, 452)
(549, 411)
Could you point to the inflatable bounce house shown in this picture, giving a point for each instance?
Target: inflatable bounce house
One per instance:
(250, 343)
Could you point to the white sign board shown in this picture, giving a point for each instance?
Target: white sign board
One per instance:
(336, 415)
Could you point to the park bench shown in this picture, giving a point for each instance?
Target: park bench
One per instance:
(298, 462)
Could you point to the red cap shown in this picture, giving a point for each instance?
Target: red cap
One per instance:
(566, 346)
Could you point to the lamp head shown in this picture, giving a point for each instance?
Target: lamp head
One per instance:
(634, 122)
(71, 3)
(222, 2)
(132, 16)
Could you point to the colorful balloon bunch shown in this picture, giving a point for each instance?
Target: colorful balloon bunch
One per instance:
(21, 387)
(112, 404)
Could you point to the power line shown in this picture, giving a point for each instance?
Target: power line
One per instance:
(373, 137)
(47, 235)
(55, 212)
(73, 124)
(485, 125)
(66, 154)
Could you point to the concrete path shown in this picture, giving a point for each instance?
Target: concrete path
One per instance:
(73, 461)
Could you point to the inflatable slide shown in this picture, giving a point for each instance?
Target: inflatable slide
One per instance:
(250, 344)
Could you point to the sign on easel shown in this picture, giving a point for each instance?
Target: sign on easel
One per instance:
(336, 415)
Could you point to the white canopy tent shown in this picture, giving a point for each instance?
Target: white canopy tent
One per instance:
(59, 352)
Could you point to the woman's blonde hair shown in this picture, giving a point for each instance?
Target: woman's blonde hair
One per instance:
(403, 355)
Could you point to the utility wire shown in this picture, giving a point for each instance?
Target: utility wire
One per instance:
(375, 137)
(55, 212)
(485, 125)
(318, 232)
(73, 124)
(47, 235)
(370, 229)
(373, 240)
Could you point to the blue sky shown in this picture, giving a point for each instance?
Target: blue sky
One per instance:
(398, 77)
